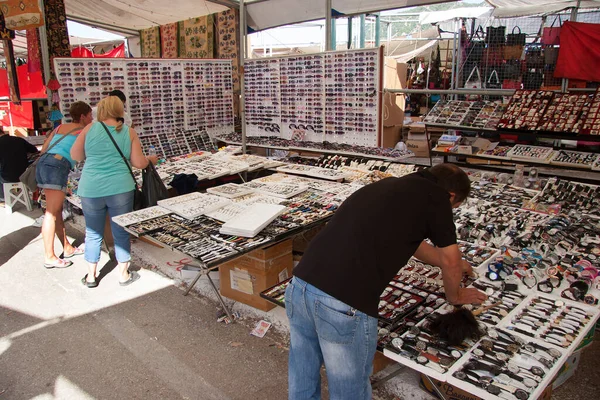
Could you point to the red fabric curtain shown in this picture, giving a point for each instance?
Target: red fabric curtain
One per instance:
(31, 84)
(579, 55)
(16, 115)
(82, 52)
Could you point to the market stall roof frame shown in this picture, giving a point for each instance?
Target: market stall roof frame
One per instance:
(134, 15)
(522, 8)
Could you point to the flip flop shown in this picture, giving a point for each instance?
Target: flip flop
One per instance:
(133, 276)
(89, 284)
(60, 263)
(78, 251)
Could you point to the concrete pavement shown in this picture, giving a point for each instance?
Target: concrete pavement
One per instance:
(61, 340)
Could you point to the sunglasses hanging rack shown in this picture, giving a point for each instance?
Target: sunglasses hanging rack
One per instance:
(165, 98)
(327, 97)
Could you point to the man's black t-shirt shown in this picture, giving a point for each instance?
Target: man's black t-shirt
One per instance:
(13, 157)
(373, 234)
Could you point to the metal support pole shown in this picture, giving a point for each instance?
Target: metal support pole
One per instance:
(377, 29)
(333, 35)
(349, 33)
(327, 25)
(243, 31)
(362, 31)
(456, 55)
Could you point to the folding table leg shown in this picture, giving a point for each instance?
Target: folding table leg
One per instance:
(214, 287)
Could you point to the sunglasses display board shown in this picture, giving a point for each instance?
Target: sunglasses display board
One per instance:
(164, 97)
(326, 97)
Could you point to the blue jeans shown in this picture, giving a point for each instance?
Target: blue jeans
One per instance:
(94, 211)
(325, 330)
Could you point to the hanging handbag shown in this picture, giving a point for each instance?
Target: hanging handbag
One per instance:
(551, 35)
(511, 84)
(493, 56)
(513, 52)
(532, 80)
(473, 82)
(551, 55)
(534, 58)
(475, 47)
(511, 69)
(516, 39)
(138, 197)
(28, 176)
(493, 81)
(550, 82)
(495, 36)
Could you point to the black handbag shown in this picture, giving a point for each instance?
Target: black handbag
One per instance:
(516, 39)
(534, 58)
(153, 188)
(138, 197)
(476, 47)
(495, 36)
(532, 80)
(511, 69)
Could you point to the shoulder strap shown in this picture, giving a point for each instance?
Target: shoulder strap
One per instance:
(120, 153)
(57, 142)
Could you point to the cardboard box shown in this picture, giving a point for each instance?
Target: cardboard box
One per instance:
(393, 109)
(453, 393)
(567, 370)
(394, 74)
(380, 362)
(243, 278)
(419, 147)
(301, 241)
(391, 136)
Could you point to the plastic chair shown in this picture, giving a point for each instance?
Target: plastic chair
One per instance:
(16, 193)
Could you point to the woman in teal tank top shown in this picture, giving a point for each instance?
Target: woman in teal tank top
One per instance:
(106, 185)
(52, 173)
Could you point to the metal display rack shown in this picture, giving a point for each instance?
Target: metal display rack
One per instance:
(331, 96)
(163, 95)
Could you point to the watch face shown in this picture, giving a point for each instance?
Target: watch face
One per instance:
(397, 343)
(456, 354)
(554, 353)
(530, 383)
(422, 360)
(493, 334)
(529, 348)
(537, 371)
(514, 369)
(501, 356)
(478, 352)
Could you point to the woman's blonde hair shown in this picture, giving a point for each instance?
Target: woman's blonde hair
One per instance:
(111, 107)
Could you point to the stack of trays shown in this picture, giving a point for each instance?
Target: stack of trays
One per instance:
(253, 220)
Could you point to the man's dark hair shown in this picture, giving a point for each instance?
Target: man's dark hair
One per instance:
(119, 94)
(453, 179)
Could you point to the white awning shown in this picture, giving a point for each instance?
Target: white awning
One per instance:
(264, 14)
(521, 8)
(133, 15)
(137, 14)
(434, 17)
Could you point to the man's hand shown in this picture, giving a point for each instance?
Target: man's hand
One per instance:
(470, 296)
(467, 268)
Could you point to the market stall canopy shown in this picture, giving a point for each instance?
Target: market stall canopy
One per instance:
(521, 8)
(433, 17)
(265, 14)
(134, 15)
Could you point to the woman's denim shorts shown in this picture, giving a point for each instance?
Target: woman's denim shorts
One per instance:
(52, 172)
